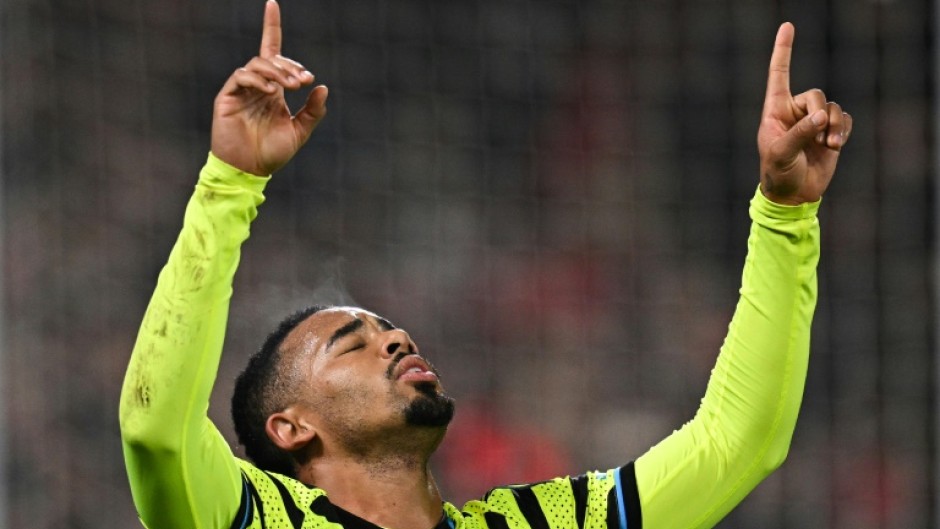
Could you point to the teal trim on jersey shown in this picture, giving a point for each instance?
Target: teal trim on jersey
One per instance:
(620, 506)
(247, 496)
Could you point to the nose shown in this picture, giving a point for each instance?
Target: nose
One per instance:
(397, 341)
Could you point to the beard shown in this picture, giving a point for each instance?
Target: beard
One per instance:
(430, 408)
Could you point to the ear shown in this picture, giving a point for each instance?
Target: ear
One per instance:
(289, 429)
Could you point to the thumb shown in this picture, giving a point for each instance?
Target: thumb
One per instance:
(312, 112)
(804, 132)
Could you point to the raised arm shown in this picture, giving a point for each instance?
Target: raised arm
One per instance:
(182, 472)
(743, 428)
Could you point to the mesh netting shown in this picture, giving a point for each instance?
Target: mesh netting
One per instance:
(550, 196)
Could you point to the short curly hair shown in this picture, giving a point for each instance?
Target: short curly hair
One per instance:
(261, 389)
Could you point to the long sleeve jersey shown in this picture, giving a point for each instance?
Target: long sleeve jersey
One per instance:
(183, 473)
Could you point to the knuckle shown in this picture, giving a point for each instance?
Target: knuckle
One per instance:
(288, 60)
(817, 95)
(260, 63)
(281, 61)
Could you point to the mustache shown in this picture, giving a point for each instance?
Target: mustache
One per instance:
(394, 363)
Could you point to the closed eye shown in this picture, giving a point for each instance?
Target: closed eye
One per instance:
(354, 346)
(344, 331)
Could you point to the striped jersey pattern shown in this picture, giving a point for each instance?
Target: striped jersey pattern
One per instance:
(595, 500)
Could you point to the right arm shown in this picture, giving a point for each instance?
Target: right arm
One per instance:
(182, 472)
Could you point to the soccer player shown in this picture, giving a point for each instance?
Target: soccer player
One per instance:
(338, 411)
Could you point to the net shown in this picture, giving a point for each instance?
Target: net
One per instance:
(550, 196)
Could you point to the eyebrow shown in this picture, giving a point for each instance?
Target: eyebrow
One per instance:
(349, 328)
(385, 324)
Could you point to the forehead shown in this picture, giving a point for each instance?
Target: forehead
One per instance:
(342, 314)
(316, 331)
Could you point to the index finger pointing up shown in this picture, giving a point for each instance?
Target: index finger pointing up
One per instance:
(271, 33)
(778, 78)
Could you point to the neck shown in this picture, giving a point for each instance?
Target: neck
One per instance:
(389, 484)
(392, 492)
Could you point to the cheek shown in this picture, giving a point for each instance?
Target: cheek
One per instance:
(346, 386)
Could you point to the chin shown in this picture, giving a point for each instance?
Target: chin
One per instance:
(430, 408)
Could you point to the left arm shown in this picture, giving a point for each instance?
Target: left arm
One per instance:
(743, 428)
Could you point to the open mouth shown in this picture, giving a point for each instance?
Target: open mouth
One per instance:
(413, 368)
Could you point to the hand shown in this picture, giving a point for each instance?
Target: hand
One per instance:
(252, 127)
(800, 136)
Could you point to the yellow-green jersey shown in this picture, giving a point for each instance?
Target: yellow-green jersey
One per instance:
(596, 500)
(184, 475)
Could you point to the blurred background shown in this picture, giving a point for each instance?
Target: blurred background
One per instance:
(550, 196)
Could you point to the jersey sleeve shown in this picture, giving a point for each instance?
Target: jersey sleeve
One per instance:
(181, 470)
(595, 500)
(742, 430)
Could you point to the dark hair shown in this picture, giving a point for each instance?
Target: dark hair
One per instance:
(260, 391)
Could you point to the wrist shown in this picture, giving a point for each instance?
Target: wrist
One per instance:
(219, 172)
(236, 163)
(783, 211)
(786, 197)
